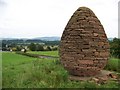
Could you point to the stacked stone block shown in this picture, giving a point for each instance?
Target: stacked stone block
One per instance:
(84, 48)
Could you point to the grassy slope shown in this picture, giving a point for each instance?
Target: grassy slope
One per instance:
(23, 72)
(49, 53)
(12, 66)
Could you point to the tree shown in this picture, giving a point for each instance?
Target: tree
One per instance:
(18, 48)
(32, 47)
(115, 47)
(55, 48)
(24, 50)
(4, 47)
(39, 47)
(12, 45)
(49, 48)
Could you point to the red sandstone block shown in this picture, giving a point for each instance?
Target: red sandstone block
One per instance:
(96, 53)
(93, 43)
(95, 34)
(85, 61)
(104, 53)
(88, 50)
(95, 62)
(94, 68)
(101, 43)
(88, 58)
(69, 58)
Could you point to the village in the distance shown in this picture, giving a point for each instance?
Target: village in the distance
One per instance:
(35, 44)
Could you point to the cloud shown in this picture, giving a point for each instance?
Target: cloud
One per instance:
(35, 18)
(2, 3)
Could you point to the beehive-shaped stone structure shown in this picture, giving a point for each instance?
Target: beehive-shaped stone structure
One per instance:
(84, 48)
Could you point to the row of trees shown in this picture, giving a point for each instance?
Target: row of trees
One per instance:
(115, 47)
(39, 47)
(35, 47)
(32, 47)
(22, 41)
(12, 46)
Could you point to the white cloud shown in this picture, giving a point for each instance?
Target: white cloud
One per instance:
(35, 18)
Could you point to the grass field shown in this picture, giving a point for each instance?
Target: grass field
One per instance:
(49, 53)
(26, 72)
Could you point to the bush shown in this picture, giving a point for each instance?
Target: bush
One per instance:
(14, 49)
(35, 47)
(39, 47)
(18, 48)
(49, 48)
(54, 48)
(32, 47)
(115, 47)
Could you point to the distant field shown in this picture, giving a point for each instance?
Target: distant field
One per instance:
(49, 53)
(9, 58)
(26, 72)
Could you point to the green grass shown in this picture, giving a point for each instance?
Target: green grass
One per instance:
(9, 58)
(113, 64)
(26, 72)
(49, 53)
(13, 65)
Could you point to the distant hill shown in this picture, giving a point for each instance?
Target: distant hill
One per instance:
(8, 38)
(48, 38)
(37, 38)
(41, 38)
(13, 38)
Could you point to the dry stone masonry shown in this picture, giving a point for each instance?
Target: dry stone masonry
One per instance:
(84, 48)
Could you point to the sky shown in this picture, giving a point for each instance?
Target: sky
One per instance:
(40, 18)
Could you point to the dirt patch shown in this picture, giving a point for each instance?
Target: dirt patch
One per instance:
(100, 78)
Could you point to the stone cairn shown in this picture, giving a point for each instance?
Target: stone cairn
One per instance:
(84, 48)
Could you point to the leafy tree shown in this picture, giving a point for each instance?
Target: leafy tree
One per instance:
(32, 47)
(18, 48)
(14, 49)
(115, 47)
(55, 48)
(4, 47)
(12, 45)
(25, 50)
(39, 47)
(49, 48)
